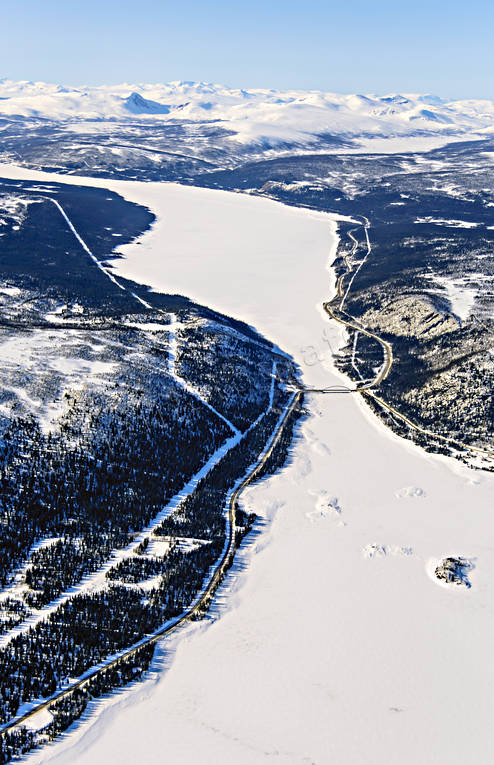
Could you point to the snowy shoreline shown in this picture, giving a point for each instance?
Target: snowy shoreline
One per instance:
(334, 644)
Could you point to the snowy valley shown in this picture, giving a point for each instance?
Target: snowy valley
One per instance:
(202, 288)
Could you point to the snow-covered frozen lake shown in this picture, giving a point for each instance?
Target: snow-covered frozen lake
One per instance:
(333, 644)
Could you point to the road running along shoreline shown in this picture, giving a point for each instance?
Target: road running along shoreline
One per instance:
(367, 388)
(202, 601)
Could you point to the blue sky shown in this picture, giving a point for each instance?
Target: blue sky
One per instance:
(347, 46)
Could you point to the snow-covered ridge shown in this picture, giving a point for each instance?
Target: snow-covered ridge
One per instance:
(254, 115)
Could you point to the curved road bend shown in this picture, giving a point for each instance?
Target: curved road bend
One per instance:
(366, 389)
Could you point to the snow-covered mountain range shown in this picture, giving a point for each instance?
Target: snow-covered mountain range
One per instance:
(254, 116)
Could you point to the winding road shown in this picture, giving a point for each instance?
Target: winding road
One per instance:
(367, 389)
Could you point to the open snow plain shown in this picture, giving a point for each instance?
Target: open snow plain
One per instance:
(330, 641)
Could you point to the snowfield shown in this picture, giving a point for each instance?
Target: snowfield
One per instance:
(330, 640)
(258, 117)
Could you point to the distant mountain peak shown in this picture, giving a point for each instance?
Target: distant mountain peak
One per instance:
(136, 104)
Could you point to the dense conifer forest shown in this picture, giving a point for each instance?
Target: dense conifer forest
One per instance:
(122, 438)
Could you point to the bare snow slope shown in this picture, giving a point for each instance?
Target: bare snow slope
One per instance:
(335, 644)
